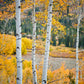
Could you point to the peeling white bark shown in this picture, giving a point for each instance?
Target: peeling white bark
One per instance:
(77, 44)
(34, 45)
(18, 42)
(49, 25)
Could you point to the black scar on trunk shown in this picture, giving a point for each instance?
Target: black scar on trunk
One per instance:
(19, 6)
(17, 78)
(44, 81)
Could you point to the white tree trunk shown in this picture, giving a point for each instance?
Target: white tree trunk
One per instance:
(49, 25)
(77, 44)
(18, 42)
(34, 44)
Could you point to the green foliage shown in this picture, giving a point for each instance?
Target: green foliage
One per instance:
(72, 80)
(29, 12)
(37, 9)
(9, 28)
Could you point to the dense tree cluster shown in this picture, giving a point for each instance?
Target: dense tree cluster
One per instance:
(58, 22)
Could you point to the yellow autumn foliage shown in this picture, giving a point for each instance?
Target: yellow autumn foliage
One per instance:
(27, 72)
(59, 76)
(27, 42)
(8, 70)
(24, 50)
(8, 44)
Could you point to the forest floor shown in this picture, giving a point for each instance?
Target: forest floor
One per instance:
(54, 62)
(57, 56)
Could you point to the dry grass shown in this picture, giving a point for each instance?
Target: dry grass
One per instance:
(57, 51)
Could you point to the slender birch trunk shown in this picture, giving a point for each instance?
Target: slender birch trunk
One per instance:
(18, 42)
(49, 25)
(34, 44)
(77, 44)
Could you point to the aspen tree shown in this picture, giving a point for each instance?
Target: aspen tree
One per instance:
(80, 16)
(49, 25)
(77, 44)
(18, 42)
(34, 44)
(77, 40)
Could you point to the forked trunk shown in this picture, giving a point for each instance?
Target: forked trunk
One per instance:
(49, 25)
